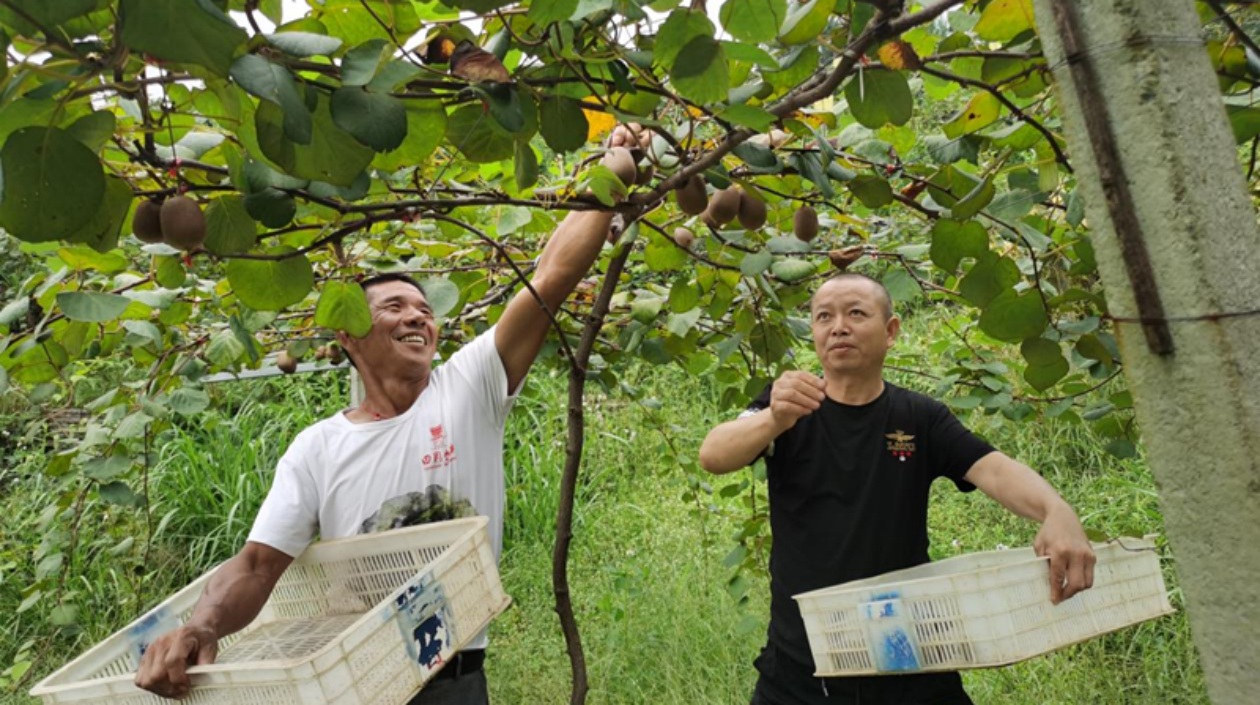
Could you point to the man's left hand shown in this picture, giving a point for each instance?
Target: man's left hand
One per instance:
(1071, 557)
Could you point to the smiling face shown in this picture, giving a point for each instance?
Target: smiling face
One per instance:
(403, 338)
(853, 327)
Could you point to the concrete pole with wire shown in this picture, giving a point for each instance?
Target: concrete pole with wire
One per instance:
(1177, 245)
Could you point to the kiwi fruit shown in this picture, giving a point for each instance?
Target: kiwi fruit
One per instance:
(724, 205)
(335, 354)
(691, 196)
(841, 259)
(684, 238)
(286, 362)
(621, 162)
(183, 223)
(147, 221)
(805, 224)
(321, 352)
(752, 211)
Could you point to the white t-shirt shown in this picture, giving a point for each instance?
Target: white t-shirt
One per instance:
(441, 459)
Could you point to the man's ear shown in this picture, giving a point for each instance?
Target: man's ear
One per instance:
(893, 327)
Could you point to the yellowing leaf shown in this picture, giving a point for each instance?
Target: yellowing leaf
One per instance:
(981, 111)
(599, 124)
(1003, 20)
(898, 56)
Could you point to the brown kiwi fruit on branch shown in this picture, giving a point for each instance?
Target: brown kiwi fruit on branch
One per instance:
(691, 196)
(724, 205)
(286, 362)
(752, 211)
(146, 223)
(684, 237)
(183, 223)
(621, 162)
(805, 224)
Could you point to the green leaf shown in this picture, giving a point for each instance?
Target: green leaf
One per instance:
(805, 23)
(271, 207)
(426, 124)
(679, 29)
(872, 191)
(878, 97)
(169, 272)
(101, 234)
(525, 165)
(82, 259)
(544, 12)
(736, 51)
(48, 13)
(947, 151)
(792, 270)
(442, 295)
(333, 155)
(748, 116)
(224, 348)
(4, 381)
(53, 185)
(645, 309)
(1012, 317)
(478, 137)
(952, 241)
(975, 201)
(304, 44)
(981, 111)
(357, 21)
(377, 120)
(661, 255)
(1245, 121)
(562, 123)
(1046, 364)
(183, 31)
(756, 262)
(700, 73)
(229, 227)
(1003, 20)
(394, 73)
(343, 306)
(189, 401)
(94, 129)
(901, 286)
(118, 492)
(756, 21)
(274, 83)
(989, 277)
(680, 324)
(91, 306)
(360, 64)
(481, 6)
(271, 285)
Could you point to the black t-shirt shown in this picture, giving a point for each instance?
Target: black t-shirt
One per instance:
(849, 489)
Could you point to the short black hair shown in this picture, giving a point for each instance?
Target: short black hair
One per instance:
(384, 279)
(392, 277)
(887, 301)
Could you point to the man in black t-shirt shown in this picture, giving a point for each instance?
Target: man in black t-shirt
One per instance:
(850, 459)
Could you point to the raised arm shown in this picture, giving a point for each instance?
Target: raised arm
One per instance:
(565, 259)
(1021, 490)
(734, 444)
(233, 597)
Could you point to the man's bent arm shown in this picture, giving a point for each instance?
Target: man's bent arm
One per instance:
(1021, 490)
(232, 599)
(734, 444)
(565, 260)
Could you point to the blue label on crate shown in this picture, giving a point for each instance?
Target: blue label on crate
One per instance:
(425, 622)
(890, 634)
(150, 627)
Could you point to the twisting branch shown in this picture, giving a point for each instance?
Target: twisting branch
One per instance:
(1234, 27)
(1059, 156)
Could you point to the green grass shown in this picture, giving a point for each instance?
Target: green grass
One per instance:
(647, 572)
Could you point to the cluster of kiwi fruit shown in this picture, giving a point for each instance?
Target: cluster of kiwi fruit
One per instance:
(733, 203)
(177, 221)
(624, 162)
(287, 362)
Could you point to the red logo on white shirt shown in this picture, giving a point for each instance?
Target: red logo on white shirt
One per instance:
(441, 453)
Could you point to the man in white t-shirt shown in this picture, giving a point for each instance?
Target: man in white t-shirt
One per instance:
(425, 444)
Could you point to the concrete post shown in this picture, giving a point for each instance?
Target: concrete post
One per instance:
(1197, 398)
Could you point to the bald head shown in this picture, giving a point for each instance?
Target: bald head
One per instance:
(883, 298)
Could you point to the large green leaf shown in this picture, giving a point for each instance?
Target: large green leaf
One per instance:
(91, 306)
(700, 73)
(753, 20)
(562, 123)
(481, 7)
(343, 306)
(426, 124)
(229, 227)
(442, 295)
(544, 12)
(1046, 364)
(271, 285)
(274, 83)
(94, 129)
(304, 44)
(878, 97)
(1014, 317)
(101, 233)
(333, 156)
(375, 119)
(183, 31)
(52, 185)
(478, 136)
(357, 21)
(952, 241)
(48, 13)
(991, 276)
(525, 165)
(806, 22)
(679, 29)
(1003, 20)
(360, 64)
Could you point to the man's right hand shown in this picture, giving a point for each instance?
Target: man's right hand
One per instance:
(795, 394)
(164, 667)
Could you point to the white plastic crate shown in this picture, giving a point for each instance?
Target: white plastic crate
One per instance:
(357, 621)
(974, 611)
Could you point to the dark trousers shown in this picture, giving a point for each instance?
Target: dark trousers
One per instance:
(784, 681)
(455, 685)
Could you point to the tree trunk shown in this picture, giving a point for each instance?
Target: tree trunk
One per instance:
(1175, 234)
